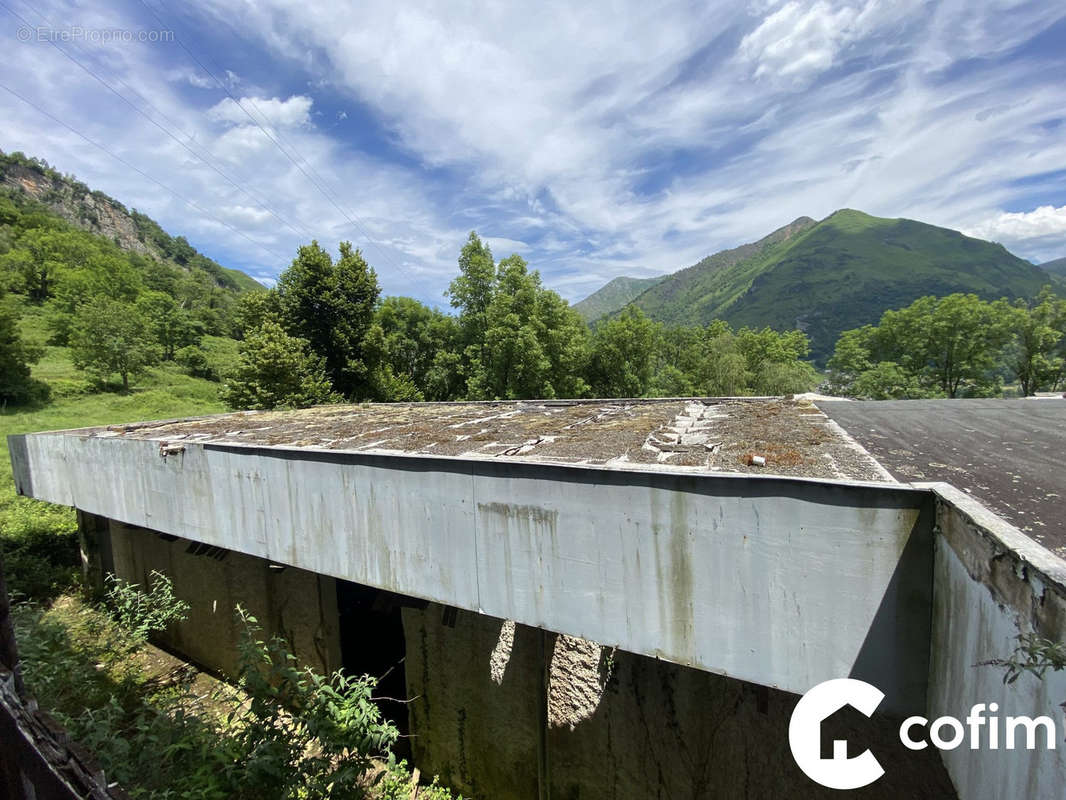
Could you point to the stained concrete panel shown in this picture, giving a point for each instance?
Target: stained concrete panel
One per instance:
(783, 582)
(992, 585)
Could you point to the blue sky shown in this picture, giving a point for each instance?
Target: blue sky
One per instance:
(595, 139)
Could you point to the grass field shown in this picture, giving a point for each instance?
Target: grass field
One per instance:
(38, 539)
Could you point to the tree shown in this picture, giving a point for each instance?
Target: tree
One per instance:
(949, 347)
(854, 354)
(415, 342)
(1034, 355)
(620, 364)
(331, 306)
(953, 342)
(471, 293)
(774, 360)
(17, 386)
(533, 342)
(276, 370)
(887, 380)
(253, 309)
(171, 326)
(110, 337)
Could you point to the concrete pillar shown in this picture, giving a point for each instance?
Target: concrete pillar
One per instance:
(97, 558)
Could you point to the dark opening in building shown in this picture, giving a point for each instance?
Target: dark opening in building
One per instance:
(372, 643)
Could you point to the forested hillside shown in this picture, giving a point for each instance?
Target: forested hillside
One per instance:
(613, 296)
(840, 273)
(97, 213)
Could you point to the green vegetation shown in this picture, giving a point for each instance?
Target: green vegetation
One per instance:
(46, 191)
(323, 334)
(954, 346)
(161, 733)
(613, 296)
(1034, 655)
(837, 274)
(141, 612)
(275, 369)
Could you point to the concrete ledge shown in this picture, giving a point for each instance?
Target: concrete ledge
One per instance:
(780, 581)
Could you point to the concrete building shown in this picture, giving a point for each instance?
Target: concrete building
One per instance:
(587, 599)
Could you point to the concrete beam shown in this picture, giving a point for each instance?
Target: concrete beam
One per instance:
(779, 581)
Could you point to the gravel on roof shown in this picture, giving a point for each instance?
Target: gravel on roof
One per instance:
(718, 435)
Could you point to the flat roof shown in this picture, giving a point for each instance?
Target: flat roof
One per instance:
(1009, 454)
(709, 434)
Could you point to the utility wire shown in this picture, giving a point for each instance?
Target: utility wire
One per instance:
(142, 173)
(317, 182)
(166, 131)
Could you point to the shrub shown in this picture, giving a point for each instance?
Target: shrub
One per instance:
(144, 613)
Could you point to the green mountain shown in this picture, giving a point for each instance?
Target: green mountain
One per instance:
(614, 296)
(1056, 267)
(696, 294)
(845, 271)
(95, 212)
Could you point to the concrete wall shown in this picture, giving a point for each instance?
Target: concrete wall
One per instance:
(992, 583)
(616, 726)
(778, 581)
(293, 603)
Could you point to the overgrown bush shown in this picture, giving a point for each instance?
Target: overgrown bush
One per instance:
(302, 734)
(291, 733)
(143, 613)
(193, 359)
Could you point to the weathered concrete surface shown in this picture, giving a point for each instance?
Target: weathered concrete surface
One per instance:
(474, 726)
(778, 581)
(697, 434)
(292, 603)
(991, 584)
(1006, 453)
(620, 726)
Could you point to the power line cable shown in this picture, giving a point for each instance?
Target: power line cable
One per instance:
(317, 182)
(144, 174)
(140, 111)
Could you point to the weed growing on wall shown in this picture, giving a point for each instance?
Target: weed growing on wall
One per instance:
(1034, 654)
(142, 613)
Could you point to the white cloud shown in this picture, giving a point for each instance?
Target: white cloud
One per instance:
(246, 214)
(801, 40)
(604, 139)
(1019, 226)
(290, 113)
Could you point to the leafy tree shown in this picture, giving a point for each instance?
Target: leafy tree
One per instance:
(532, 344)
(620, 364)
(1035, 355)
(110, 337)
(955, 342)
(887, 380)
(855, 353)
(171, 326)
(471, 293)
(331, 306)
(412, 337)
(948, 347)
(721, 369)
(17, 386)
(253, 309)
(193, 359)
(773, 360)
(276, 370)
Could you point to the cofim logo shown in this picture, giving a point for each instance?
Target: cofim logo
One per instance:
(946, 733)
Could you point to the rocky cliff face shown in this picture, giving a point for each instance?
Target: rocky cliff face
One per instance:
(93, 211)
